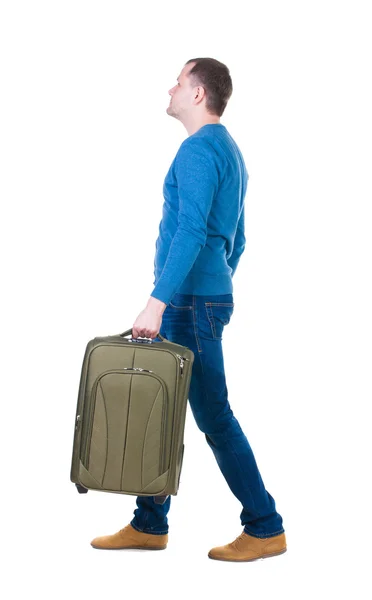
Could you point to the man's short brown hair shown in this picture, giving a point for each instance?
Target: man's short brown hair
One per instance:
(215, 78)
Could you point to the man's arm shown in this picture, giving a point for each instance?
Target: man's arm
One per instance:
(197, 180)
(239, 243)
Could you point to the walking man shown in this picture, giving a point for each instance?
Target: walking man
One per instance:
(201, 239)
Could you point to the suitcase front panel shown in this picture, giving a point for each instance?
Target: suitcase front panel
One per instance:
(124, 438)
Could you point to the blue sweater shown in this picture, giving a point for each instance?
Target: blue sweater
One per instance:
(201, 234)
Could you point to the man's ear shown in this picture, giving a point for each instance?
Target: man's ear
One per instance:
(200, 93)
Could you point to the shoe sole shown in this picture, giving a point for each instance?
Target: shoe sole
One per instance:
(249, 559)
(131, 548)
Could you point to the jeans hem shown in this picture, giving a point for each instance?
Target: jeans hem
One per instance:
(263, 535)
(146, 531)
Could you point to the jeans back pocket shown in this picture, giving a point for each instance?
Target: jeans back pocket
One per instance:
(219, 315)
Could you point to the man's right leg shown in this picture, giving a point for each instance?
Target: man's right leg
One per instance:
(177, 326)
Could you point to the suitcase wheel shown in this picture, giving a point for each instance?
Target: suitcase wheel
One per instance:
(81, 489)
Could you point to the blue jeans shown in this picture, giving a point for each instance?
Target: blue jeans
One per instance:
(198, 322)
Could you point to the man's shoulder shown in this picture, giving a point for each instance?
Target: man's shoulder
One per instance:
(195, 142)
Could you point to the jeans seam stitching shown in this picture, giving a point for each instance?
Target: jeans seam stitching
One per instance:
(219, 303)
(181, 307)
(194, 323)
(211, 320)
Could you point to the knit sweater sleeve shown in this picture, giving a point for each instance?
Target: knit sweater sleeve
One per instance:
(239, 243)
(197, 180)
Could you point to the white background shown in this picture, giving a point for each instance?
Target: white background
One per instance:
(85, 146)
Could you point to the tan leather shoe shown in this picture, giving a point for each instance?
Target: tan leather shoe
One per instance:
(129, 537)
(246, 547)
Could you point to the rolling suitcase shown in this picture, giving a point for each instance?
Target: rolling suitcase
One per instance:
(130, 416)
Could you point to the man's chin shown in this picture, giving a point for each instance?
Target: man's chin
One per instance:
(171, 113)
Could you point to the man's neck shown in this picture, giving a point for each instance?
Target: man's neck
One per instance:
(193, 127)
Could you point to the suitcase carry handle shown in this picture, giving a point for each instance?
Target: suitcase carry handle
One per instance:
(146, 341)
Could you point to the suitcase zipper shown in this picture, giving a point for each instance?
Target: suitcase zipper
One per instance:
(135, 369)
(182, 359)
(93, 396)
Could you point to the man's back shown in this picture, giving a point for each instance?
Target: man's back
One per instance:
(201, 234)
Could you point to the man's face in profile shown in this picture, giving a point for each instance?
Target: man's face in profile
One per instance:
(181, 94)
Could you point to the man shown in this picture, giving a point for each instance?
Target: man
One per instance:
(201, 238)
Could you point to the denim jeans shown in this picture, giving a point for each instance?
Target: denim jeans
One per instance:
(198, 322)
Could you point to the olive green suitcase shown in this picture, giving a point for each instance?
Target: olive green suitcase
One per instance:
(130, 417)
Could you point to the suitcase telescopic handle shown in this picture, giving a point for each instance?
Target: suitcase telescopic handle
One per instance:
(147, 341)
